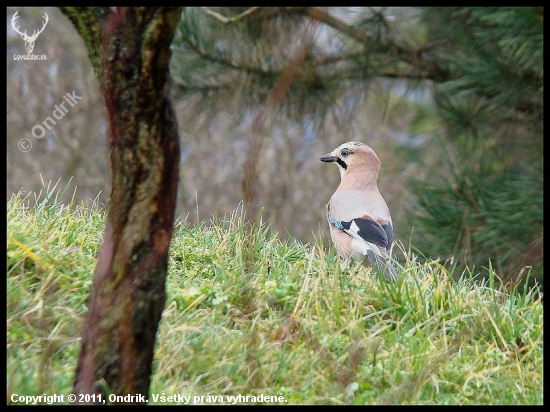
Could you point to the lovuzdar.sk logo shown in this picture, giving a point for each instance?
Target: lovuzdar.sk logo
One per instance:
(29, 40)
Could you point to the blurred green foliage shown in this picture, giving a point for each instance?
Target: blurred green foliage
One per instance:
(483, 202)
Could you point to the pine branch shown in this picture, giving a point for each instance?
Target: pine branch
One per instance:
(228, 20)
(427, 68)
(225, 62)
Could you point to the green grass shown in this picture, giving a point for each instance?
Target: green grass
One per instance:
(250, 314)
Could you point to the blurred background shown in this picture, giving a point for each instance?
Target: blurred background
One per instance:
(451, 99)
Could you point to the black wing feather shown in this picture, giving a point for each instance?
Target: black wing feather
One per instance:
(373, 232)
(369, 230)
(389, 233)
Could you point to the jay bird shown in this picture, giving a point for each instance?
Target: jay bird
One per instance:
(359, 219)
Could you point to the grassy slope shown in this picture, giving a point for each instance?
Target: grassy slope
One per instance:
(250, 314)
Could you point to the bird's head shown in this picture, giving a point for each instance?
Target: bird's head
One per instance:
(355, 159)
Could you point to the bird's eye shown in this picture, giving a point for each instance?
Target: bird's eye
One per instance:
(344, 152)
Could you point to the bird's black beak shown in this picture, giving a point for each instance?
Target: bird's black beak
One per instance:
(328, 158)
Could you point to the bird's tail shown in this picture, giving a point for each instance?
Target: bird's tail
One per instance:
(384, 266)
(390, 272)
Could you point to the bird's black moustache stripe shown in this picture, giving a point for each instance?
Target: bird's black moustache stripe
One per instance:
(342, 163)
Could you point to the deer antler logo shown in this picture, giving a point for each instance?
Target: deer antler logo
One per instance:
(29, 40)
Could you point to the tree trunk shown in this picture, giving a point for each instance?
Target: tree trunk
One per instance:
(130, 49)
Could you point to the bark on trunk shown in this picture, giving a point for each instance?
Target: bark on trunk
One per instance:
(130, 49)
